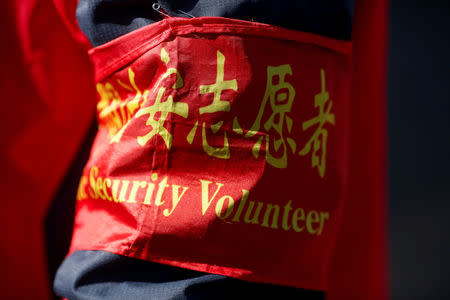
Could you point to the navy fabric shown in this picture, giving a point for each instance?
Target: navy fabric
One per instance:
(105, 20)
(93, 275)
(60, 216)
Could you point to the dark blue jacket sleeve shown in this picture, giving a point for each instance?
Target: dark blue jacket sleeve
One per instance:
(104, 20)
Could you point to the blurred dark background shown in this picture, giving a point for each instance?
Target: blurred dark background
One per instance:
(419, 138)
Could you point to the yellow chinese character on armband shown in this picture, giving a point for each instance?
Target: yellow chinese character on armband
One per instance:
(217, 105)
(114, 112)
(319, 139)
(163, 107)
(280, 95)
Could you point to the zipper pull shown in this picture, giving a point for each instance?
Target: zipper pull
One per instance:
(157, 7)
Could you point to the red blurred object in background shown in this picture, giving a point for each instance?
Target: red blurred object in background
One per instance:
(359, 269)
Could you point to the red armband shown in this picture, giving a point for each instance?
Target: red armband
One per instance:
(222, 147)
